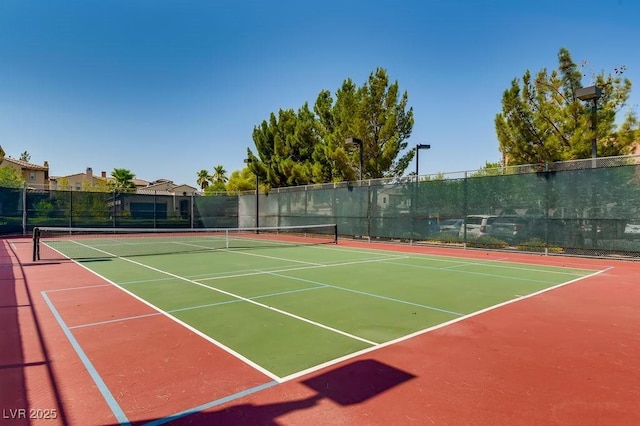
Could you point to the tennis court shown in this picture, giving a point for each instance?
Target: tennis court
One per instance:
(279, 305)
(288, 306)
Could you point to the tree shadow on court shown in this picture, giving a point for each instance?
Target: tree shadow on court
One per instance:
(347, 385)
(16, 305)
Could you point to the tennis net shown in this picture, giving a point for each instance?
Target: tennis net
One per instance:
(56, 243)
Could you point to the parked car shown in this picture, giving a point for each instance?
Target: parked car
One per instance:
(606, 229)
(451, 226)
(511, 229)
(632, 230)
(476, 225)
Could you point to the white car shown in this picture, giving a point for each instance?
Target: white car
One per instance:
(451, 226)
(632, 230)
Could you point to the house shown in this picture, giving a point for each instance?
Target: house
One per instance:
(161, 198)
(167, 186)
(77, 181)
(82, 181)
(35, 175)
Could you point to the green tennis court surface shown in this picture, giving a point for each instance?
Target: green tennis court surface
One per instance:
(291, 308)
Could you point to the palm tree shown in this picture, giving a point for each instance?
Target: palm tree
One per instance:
(219, 174)
(203, 179)
(122, 179)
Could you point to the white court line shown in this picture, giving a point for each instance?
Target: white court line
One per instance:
(508, 264)
(301, 268)
(262, 305)
(427, 330)
(364, 293)
(185, 325)
(254, 254)
(78, 288)
(472, 273)
(484, 262)
(252, 272)
(91, 324)
(189, 308)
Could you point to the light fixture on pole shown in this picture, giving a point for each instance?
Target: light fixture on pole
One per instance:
(356, 141)
(418, 148)
(592, 93)
(249, 161)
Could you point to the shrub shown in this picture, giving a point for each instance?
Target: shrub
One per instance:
(485, 241)
(446, 237)
(43, 208)
(537, 245)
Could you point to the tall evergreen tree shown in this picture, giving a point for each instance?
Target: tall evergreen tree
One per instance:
(384, 125)
(305, 146)
(542, 120)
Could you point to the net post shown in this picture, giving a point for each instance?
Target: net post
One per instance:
(36, 243)
(335, 233)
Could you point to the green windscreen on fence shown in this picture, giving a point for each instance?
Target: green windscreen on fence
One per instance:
(581, 207)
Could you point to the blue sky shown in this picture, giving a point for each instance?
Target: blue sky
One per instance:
(167, 88)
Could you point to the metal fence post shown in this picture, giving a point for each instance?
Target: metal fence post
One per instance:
(24, 208)
(192, 210)
(155, 209)
(70, 207)
(465, 206)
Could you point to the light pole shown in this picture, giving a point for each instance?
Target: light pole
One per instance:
(249, 161)
(418, 148)
(414, 203)
(592, 93)
(356, 141)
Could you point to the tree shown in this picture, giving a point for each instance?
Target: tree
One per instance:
(219, 174)
(97, 185)
(25, 156)
(286, 144)
(243, 180)
(203, 179)
(383, 125)
(122, 180)
(542, 120)
(305, 146)
(10, 177)
(93, 200)
(63, 184)
(490, 169)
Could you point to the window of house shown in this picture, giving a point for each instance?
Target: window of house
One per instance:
(32, 175)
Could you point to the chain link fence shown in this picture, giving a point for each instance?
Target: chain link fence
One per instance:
(585, 207)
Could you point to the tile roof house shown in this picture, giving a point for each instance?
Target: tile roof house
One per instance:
(79, 181)
(166, 186)
(35, 175)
